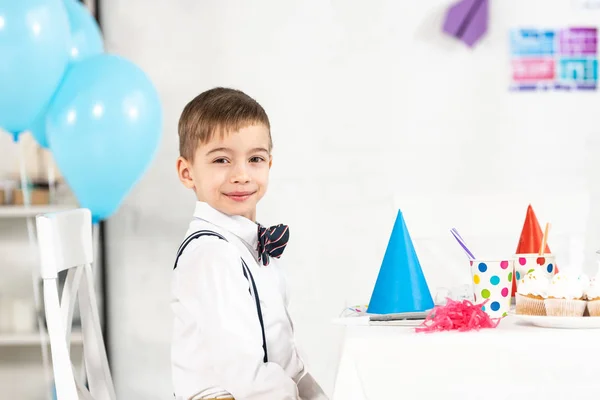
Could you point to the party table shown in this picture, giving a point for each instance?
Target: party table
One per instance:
(511, 361)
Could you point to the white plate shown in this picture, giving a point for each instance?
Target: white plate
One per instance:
(560, 322)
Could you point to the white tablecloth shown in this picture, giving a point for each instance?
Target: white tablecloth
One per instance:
(513, 361)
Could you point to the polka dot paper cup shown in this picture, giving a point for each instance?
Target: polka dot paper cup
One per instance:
(526, 262)
(492, 281)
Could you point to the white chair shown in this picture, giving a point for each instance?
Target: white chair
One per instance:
(65, 243)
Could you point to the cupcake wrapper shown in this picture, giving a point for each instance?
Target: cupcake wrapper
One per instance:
(565, 307)
(594, 308)
(529, 306)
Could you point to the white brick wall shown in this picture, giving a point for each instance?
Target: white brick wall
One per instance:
(371, 107)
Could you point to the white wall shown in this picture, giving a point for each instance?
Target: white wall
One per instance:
(372, 108)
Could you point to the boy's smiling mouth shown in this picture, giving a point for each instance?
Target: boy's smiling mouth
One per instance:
(239, 196)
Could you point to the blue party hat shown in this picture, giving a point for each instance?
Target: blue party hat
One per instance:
(401, 285)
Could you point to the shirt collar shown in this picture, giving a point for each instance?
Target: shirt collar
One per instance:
(242, 227)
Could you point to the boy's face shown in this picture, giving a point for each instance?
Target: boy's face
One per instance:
(231, 174)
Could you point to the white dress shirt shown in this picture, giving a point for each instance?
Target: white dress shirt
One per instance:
(217, 346)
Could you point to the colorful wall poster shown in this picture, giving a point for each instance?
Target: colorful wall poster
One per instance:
(547, 59)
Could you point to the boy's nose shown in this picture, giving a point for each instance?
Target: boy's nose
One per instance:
(240, 175)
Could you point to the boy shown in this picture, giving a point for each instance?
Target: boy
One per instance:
(233, 337)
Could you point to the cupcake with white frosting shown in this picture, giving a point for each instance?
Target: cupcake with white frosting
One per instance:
(593, 296)
(531, 291)
(566, 296)
(585, 281)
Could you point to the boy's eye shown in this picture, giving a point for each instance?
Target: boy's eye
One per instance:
(257, 159)
(220, 161)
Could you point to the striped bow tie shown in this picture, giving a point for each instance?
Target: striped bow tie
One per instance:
(272, 241)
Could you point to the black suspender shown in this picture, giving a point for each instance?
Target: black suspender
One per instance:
(246, 272)
(258, 309)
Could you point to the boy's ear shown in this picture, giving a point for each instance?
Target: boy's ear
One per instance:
(270, 160)
(184, 171)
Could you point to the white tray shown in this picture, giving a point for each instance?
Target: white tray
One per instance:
(560, 322)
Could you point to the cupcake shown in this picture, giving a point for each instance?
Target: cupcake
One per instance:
(593, 297)
(531, 292)
(565, 296)
(584, 281)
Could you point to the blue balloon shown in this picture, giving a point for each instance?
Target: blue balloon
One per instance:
(38, 130)
(104, 127)
(86, 38)
(34, 40)
(86, 41)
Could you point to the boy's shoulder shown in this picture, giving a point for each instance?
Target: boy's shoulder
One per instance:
(206, 239)
(199, 226)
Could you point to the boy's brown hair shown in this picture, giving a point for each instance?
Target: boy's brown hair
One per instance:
(219, 110)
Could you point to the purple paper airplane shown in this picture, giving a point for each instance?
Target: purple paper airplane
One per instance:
(467, 20)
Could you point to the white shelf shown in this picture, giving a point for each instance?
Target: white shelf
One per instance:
(31, 339)
(31, 211)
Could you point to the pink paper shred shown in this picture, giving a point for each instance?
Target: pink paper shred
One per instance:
(462, 316)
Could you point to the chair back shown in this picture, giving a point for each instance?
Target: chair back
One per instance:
(66, 244)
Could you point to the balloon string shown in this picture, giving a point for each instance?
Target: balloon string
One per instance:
(35, 275)
(24, 186)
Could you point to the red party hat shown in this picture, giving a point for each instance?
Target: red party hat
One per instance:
(531, 238)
